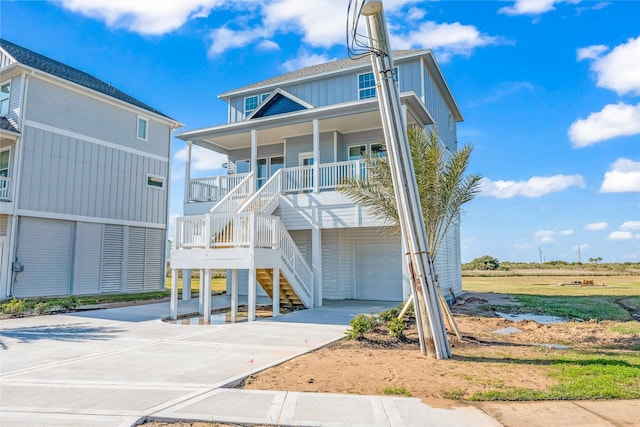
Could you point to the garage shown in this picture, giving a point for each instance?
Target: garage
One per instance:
(378, 271)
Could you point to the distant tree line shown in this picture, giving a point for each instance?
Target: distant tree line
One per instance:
(490, 263)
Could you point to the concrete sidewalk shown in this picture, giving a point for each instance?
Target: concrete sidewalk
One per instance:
(116, 367)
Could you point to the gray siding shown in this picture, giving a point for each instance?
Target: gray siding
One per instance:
(439, 110)
(56, 106)
(448, 263)
(359, 138)
(112, 258)
(71, 176)
(264, 151)
(88, 252)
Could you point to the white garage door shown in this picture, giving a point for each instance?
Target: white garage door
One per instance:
(379, 271)
(45, 251)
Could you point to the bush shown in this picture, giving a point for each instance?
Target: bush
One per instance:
(388, 315)
(69, 304)
(396, 328)
(360, 325)
(41, 307)
(14, 307)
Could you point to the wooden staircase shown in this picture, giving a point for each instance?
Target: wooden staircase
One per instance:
(288, 296)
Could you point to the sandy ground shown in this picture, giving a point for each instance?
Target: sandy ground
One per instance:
(484, 360)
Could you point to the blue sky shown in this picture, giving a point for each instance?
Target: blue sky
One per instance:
(549, 90)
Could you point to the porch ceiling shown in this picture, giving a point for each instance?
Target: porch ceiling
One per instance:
(344, 118)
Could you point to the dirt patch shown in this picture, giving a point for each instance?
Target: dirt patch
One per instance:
(495, 354)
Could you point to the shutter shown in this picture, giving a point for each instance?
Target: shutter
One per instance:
(154, 260)
(112, 253)
(45, 249)
(86, 278)
(135, 260)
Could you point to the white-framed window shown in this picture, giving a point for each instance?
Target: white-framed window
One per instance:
(360, 151)
(367, 84)
(142, 131)
(155, 181)
(251, 103)
(5, 156)
(5, 97)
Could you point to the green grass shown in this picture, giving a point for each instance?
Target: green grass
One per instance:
(548, 285)
(580, 376)
(98, 299)
(396, 391)
(571, 307)
(217, 284)
(628, 328)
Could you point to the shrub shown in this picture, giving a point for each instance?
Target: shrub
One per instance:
(41, 307)
(69, 304)
(388, 315)
(14, 307)
(360, 325)
(396, 328)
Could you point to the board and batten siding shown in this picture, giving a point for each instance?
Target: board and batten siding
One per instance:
(439, 110)
(304, 144)
(56, 106)
(45, 249)
(70, 176)
(264, 151)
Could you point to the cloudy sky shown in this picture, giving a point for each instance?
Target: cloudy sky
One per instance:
(549, 90)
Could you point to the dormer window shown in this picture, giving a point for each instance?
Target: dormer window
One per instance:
(367, 84)
(5, 98)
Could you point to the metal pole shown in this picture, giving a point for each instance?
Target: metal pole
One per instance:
(404, 180)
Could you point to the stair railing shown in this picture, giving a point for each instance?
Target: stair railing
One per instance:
(293, 259)
(265, 196)
(236, 197)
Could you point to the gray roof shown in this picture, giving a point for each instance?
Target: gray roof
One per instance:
(320, 69)
(6, 125)
(40, 62)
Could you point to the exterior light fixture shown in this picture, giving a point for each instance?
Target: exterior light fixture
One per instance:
(371, 7)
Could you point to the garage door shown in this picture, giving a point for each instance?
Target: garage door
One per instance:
(45, 251)
(379, 271)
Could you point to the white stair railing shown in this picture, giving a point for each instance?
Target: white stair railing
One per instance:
(331, 175)
(191, 232)
(294, 261)
(263, 200)
(213, 189)
(236, 197)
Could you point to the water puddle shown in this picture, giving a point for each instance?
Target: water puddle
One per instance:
(507, 331)
(555, 346)
(540, 318)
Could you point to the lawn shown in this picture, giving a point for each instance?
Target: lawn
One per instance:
(217, 284)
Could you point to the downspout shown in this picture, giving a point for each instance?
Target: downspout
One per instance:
(13, 247)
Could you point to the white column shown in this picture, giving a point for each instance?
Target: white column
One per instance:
(234, 295)
(173, 308)
(316, 263)
(187, 172)
(206, 300)
(251, 299)
(316, 156)
(200, 293)
(254, 156)
(276, 292)
(186, 284)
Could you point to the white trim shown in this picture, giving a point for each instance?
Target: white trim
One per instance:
(366, 146)
(162, 179)
(96, 220)
(146, 128)
(93, 140)
(307, 155)
(10, 83)
(274, 94)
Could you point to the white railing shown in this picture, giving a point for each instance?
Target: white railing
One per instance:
(241, 230)
(294, 260)
(332, 175)
(6, 185)
(191, 232)
(266, 195)
(297, 179)
(236, 197)
(214, 188)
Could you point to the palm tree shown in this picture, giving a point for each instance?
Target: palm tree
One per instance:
(442, 185)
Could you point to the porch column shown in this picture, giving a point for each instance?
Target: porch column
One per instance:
(206, 301)
(200, 293)
(276, 292)
(254, 156)
(187, 172)
(316, 156)
(173, 308)
(234, 295)
(186, 284)
(316, 262)
(251, 299)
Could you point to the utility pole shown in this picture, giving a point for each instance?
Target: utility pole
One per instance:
(429, 318)
(579, 260)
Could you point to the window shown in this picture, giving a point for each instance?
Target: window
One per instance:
(243, 166)
(367, 84)
(5, 98)
(357, 152)
(143, 128)
(251, 103)
(378, 150)
(276, 163)
(4, 163)
(155, 181)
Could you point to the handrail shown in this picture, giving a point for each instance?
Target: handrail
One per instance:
(6, 185)
(212, 189)
(265, 195)
(236, 197)
(189, 232)
(332, 175)
(293, 259)
(300, 178)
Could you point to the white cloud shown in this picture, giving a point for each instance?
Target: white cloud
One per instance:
(529, 7)
(624, 177)
(618, 70)
(268, 45)
(143, 16)
(201, 158)
(536, 186)
(596, 226)
(613, 121)
(630, 225)
(544, 236)
(446, 39)
(223, 39)
(416, 14)
(623, 235)
(305, 59)
(566, 232)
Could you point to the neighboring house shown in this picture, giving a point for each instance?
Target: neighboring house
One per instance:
(276, 219)
(84, 175)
